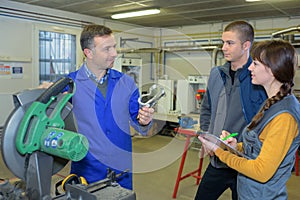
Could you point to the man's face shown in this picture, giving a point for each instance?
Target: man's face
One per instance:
(104, 52)
(233, 48)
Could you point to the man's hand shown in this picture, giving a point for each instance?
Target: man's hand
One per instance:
(145, 115)
(45, 85)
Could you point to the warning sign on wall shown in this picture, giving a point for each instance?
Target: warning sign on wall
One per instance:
(17, 72)
(5, 70)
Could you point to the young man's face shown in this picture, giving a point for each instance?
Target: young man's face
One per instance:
(233, 48)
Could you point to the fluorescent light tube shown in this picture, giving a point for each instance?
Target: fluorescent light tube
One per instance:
(136, 13)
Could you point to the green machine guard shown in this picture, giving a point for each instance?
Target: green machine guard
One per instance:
(40, 132)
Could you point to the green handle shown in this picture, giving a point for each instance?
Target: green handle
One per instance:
(36, 121)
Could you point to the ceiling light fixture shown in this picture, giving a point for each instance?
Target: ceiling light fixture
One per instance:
(136, 13)
(252, 0)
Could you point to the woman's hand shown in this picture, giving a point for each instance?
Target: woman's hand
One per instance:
(231, 140)
(208, 146)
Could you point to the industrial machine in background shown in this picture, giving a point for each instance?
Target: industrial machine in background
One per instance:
(131, 67)
(182, 96)
(178, 98)
(38, 140)
(199, 84)
(199, 97)
(179, 107)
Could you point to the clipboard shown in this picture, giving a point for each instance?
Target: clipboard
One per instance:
(218, 141)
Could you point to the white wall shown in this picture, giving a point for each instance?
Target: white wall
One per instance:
(138, 38)
(16, 51)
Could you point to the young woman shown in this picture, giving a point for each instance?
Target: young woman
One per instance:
(272, 137)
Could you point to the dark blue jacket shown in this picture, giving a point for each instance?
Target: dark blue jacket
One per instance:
(252, 96)
(214, 104)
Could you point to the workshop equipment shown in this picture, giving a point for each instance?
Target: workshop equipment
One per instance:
(152, 97)
(38, 140)
(41, 132)
(199, 84)
(189, 133)
(106, 189)
(187, 122)
(27, 148)
(199, 96)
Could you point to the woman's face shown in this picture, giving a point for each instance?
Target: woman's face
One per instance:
(260, 73)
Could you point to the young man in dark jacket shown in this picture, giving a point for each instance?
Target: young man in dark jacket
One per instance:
(229, 104)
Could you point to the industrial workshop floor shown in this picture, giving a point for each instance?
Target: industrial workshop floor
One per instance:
(156, 162)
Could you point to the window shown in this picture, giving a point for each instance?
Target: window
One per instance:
(57, 55)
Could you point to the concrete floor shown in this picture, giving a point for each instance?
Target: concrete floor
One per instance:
(156, 163)
(160, 184)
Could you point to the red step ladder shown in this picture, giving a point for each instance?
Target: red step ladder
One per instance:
(196, 173)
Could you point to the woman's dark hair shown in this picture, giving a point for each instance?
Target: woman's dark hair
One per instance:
(281, 57)
(89, 32)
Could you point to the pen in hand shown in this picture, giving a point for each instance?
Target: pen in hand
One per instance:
(230, 136)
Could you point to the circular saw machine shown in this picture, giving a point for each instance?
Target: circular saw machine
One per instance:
(40, 137)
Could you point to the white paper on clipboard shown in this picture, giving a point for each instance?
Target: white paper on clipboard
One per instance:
(218, 141)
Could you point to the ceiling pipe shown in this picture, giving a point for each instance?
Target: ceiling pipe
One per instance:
(191, 48)
(282, 32)
(35, 16)
(170, 49)
(140, 50)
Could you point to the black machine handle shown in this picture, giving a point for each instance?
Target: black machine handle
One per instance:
(55, 89)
